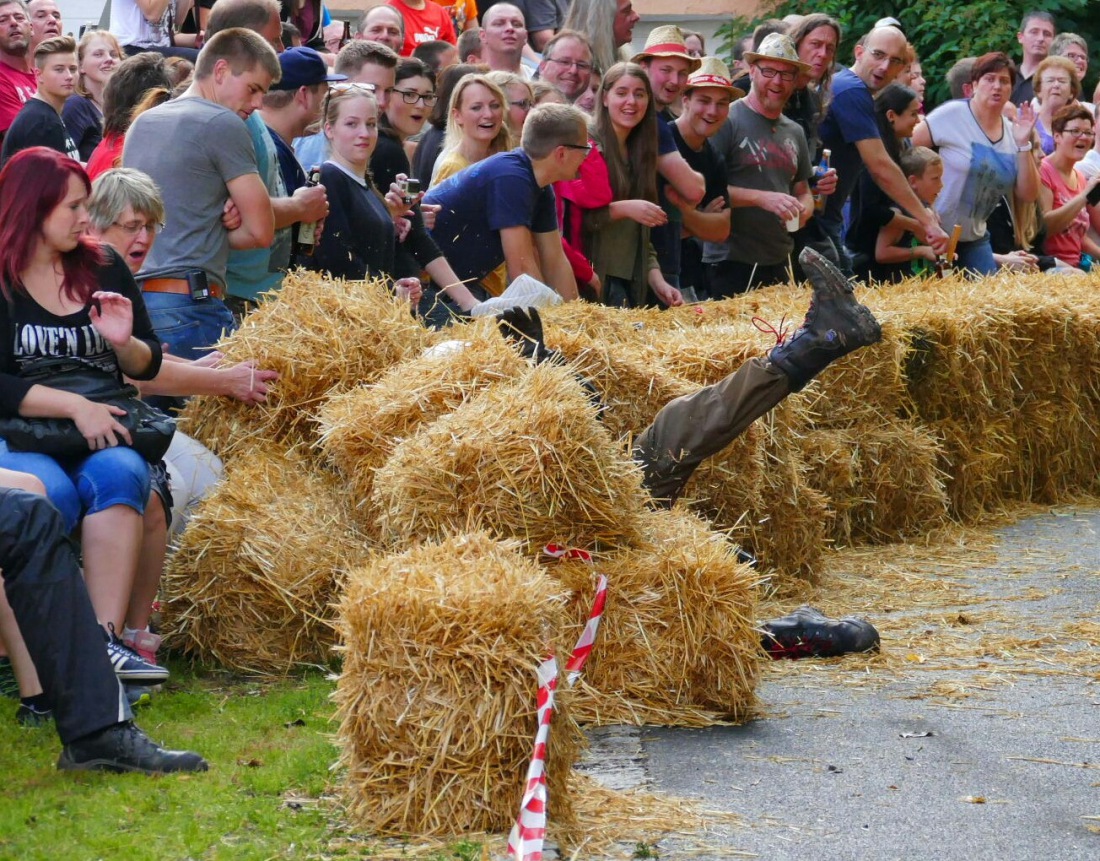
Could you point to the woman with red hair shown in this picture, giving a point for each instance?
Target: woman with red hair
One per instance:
(65, 296)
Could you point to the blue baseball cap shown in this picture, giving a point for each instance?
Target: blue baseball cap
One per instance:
(303, 67)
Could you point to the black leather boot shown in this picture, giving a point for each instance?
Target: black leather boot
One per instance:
(835, 325)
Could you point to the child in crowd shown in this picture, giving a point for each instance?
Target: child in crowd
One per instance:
(897, 253)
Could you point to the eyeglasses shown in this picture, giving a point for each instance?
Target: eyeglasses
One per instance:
(524, 104)
(785, 75)
(1078, 133)
(586, 147)
(572, 64)
(878, 56)
(133, 228)
(411, 97)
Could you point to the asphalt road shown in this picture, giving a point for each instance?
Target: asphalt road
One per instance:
(975, 735)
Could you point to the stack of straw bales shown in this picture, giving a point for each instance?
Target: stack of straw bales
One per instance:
(678, 631)
(361, 428)
(258, 566)
(319, 334)
(525, 459)
(437, 700)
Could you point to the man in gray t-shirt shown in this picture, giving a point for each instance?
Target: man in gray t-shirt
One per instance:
(768, 168)
(199, 152)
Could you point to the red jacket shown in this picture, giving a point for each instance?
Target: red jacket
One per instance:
(591, 190)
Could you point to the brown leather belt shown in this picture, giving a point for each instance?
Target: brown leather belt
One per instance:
(178, 285)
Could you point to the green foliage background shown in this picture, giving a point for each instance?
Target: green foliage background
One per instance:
(942, 31)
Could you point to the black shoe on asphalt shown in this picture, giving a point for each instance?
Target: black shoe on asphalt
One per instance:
(123, 747)
(808, 633)
(32, 716)
(129, 666)
(835, 325)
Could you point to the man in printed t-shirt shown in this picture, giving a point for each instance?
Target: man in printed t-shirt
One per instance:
(768, 169)
(425, 21)
(17, 79)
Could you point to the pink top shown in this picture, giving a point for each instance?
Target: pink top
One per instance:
(1067, 244)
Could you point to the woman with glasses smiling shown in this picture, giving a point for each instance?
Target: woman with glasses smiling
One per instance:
(411, 102)
(1063, 194)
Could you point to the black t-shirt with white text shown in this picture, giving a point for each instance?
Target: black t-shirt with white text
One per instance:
(30, 332)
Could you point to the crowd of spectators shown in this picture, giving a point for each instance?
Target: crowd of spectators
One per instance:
(451, 148)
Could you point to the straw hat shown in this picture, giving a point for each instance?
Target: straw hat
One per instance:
(777, 47)
(713, 73)
(666, 41)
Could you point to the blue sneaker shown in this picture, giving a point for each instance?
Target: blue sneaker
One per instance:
(128, 665)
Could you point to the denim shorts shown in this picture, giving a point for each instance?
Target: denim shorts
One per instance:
(86, 485)
(189, 328)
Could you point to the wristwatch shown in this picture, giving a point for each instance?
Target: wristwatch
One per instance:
(1026, 147)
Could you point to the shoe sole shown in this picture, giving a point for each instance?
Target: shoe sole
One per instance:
(116, 768)
(831, 287)
(142, 677)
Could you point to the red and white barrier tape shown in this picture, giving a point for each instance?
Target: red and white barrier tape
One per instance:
(526, 839)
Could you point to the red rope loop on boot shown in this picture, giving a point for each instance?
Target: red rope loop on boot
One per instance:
(767, 328)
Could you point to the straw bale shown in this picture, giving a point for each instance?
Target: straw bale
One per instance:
(251, 583)
(437, 699)
(883, 482)
(525, 459)
(319, 334)
(980, 458)
(678, 631)
(361, 428)
(633, 385)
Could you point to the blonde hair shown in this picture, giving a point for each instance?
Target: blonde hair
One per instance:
(1066, 65)
(82, 48)
(453, 136)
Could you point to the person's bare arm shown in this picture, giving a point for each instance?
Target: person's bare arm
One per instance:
(442, 274)
(682, 177)
(711, 223)
(806, 198)
(308, 203)
(555, 265)
(1058, 219)
(539, 39)
(520, 255)
(152, 10)
(257, 228)
(890, 179)
(242, 381)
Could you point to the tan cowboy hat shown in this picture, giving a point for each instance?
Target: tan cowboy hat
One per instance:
(713, 73)
(777, 47)
(666, 41)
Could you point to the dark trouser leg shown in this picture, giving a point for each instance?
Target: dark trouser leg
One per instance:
(43, 584)
(692, 428)
(732, 277)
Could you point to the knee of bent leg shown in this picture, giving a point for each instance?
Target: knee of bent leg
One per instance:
(114, 476)
(30, 522)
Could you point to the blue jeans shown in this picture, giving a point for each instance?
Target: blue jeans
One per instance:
(976, 256)
(87, 484)
(189, 328)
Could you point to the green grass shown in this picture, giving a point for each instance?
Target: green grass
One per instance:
(270, 750)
